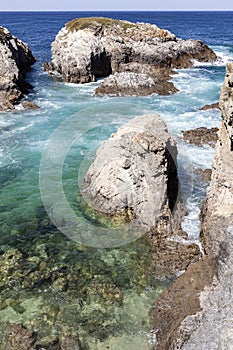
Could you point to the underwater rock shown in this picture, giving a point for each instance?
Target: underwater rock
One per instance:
(17, 337)
(16, 60)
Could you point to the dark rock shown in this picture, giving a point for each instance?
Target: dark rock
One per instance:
(172, 253)
(17, 337)
(179, 301)
(48, 343)
(29, 105)
(212, 106)
(16, 60)
(47, 67)
(201, 136)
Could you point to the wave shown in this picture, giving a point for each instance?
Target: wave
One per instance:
(224, 55)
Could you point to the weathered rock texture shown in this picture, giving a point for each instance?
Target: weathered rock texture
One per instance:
(209, 323)
(15, 61)
(89, 48)
(201, 136)
(134, 173)
(134, 177)
(126, 84)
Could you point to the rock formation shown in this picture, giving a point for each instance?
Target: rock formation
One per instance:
(202, 317)
(90, 48)
(212, 106)
(127, 84)
(134, 172)
(15, 61)
(134, 178)
(201, 136)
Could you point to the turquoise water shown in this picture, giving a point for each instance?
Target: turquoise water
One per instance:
(105, 296)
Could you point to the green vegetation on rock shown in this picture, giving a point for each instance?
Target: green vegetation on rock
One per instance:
(3, 35)
(83, 23)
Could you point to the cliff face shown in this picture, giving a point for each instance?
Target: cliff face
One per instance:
(15, 61)
(207, 323)
(89, 48)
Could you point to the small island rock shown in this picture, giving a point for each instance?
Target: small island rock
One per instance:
(90, 48)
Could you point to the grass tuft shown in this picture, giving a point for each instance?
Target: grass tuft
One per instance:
(83, 23)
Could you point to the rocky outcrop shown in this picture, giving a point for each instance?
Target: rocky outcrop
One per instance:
(212, 106)
(201, 136)
(128, 84)
(208, 325)
(89, 48)
(29, 105)
(134, 173)
(15, 61)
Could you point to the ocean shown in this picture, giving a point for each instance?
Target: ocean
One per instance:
(54, 284)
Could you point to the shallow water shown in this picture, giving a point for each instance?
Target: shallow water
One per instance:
(106, 296)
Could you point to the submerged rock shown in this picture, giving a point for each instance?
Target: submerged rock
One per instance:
(201, 136)
(18, 337)
(89, 48)
(134, 174)
(16, 60)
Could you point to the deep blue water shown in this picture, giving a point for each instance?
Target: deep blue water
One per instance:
(39, 29)
(23, 136)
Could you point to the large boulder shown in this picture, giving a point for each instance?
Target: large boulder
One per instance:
(89, 48)
(134, 174)
(15, 61)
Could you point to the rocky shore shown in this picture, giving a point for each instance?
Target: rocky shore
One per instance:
(196, 311)
(16, 60)
(138, 58)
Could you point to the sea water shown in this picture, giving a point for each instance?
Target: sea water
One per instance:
(110, 301)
